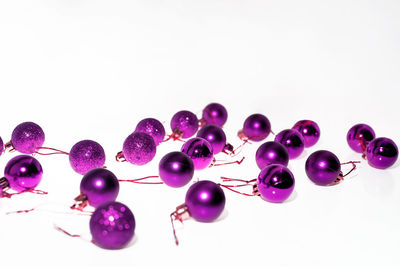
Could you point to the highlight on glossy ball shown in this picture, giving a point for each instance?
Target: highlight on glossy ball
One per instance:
(185, 122)
(200, 151)
(256, 127)
(152, 127)
(99, 186)
(215, 136)
(215, 114)
(309, 130)
(23, 172)
(205, 201)
(292, 140)
(27, 137)
(86, 155)
(271, 153)
(275, 183)
(382, 153)
(176, 169)
(323, 167)
(112, 225)
(139, 148)
(359, 136)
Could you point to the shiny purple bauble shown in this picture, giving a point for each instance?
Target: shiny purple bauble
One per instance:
(1, 146)
(292, 140)
(215, 114)
(200, 151)
(382, 153)
(176, 169)
(112, 225)
(275, 183)
(215, 136)
(185, 122)
(139, 148)
(309, 130)
(323, 167)
(205, 201)
(271, 153)
(23, 172)
(86, 155)
(152, 127)
(99, 186)
(256, 127)
(359, 136)
(27, 137)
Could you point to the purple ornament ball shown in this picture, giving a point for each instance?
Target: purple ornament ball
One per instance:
(23, 172)
(139, 148)
(271, 153)
(152, 127)
(256, 127)
(309, 130)
(27, 137)
(382, 153)
(292, 140)
(215, 136)
(112, 225)
(176, 169)
(323, 167)
(86, 155)
(99, 186)
(200, 151)
(275, 183)
(359, 136)
(205, 201)
(215, 114)
(185, 122)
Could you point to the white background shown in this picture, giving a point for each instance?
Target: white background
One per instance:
(93, 69)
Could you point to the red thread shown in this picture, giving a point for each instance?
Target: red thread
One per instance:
(139, 180)
(214, 164)
(241, 184)
(352, 169)
(56, 151)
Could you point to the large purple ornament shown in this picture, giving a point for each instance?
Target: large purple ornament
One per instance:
(256, 127)
(323, 167)
(359, 136)
(215, 114)
(184, 124)
(176, 169)
(275, 183)
(216, 137)
(382, 153)
(271, 153)
(112, 225)
(27, 137)
(86, 155)
(292, 140)
(309, 130)
(200, 151)
(152, 127)
(139, 148)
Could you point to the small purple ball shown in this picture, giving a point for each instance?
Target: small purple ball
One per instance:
(382, 153)
(292, 140)
(323, 167)
(200, 151)
(185, 122)
(275, 183)
(112, 225)
(23, 172)
(309, 130)
(139, 148)
(176, 169)
(1, 146)
(359, 136)
(215, 136)
(205, 201)
(271, 153)
(99, 186)
(152, 127)
(86, 155)
(216, 114)
(256, 127)
(26, 137)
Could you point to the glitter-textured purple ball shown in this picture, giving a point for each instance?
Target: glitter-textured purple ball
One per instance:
(184, 124)
(152, 127)
(215, 114)
(292, 140)
(139, 148)
(323, 167)
(382, 153)
(309, 130)
(86, 155)
(359, 136)
(271, 153)
(27, 137)
(200, 151)
(176, 169)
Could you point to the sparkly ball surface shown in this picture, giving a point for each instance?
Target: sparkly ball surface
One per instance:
(152, 127)
(215, 136)
(292, 140)
(322, 167)
(359, 136)
(275, 183)
(200, 151)
(23, 172)
(216, 114)
(382, 153)
(309, 130)
(271, 153)
(112, 225)
(186, 122)
(176, 169)
(139, 148)
(256, 127)
(86, 155)
(205, 201)
(26, 137)
(100, 186)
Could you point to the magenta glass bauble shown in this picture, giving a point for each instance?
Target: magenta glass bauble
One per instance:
(323, 167)
(86, 155)
(152, 127)
(215, 136)
(256, 127)
(23, 172)
(292, 140)
(215, 114)
(271, 153)
(27, 137)
(139, 148)
(112, 225)
(359, 136)
(176, 169)
(382, 153)
(185, 123)
(200, 151)
(309, 130)
(205, 201)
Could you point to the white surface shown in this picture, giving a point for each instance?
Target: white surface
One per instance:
(93, 69)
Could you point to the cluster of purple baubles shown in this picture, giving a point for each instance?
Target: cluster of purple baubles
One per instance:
(112, 224)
